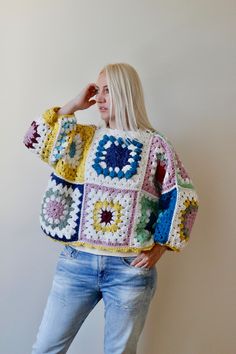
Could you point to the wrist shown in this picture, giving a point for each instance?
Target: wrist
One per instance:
(69, 108)
(163, 248)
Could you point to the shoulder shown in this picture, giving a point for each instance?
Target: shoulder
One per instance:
(161, 141)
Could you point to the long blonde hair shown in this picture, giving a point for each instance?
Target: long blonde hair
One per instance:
(126, 94)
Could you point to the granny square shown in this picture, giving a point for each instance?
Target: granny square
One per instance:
(186, 210)
(155, 175)
(107, 215)
(60, 210)
(145, 217)
(117, 160)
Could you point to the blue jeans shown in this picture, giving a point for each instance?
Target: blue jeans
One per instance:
(81, 280)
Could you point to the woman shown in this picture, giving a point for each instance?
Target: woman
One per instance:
(118, 198)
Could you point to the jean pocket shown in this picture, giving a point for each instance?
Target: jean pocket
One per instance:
(68, 252)
(128, 260)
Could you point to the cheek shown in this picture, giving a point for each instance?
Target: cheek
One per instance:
(109, 104)
(108, 100)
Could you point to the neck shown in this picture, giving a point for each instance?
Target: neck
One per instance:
(111, 124)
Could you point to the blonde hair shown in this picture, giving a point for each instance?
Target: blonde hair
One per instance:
(126, 94)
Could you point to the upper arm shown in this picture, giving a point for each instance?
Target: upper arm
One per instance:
(178, 201)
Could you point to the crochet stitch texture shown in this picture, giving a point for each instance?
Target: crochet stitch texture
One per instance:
(111, 189)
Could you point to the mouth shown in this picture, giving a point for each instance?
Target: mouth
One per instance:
(102, 109)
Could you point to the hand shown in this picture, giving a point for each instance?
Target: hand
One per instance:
(148, 259)
(82, 101)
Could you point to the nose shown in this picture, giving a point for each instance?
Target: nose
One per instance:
(100, 98)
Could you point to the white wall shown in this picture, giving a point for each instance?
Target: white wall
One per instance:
(185, 54)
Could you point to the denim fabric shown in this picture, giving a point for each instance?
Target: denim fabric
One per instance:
(80, 281)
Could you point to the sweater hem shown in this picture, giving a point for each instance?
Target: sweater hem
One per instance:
(105, 248)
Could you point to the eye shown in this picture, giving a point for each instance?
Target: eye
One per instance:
(96, 91)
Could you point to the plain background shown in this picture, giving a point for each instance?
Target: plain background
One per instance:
(184, 52)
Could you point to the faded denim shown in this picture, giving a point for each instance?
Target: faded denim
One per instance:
(80, 281)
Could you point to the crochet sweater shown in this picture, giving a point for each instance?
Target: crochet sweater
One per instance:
(109, 189)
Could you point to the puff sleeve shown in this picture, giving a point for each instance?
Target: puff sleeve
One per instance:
(178, 200)
(50, 135)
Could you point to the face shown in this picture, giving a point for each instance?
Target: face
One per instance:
(103, 100)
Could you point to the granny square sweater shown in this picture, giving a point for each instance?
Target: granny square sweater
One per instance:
(114, 190)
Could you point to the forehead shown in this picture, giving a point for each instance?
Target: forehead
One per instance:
(101, 80)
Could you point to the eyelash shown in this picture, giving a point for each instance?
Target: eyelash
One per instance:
(96, 92)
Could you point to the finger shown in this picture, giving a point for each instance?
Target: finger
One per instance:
(92, 102)
(145, 263)
(92, 87)
(89, 89)
(142, 265)
(136, 260)
(90, 95)
(139, 263)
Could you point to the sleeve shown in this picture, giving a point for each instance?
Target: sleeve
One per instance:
(50, 134)
(178, 200)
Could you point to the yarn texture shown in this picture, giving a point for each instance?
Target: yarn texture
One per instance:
(115, 190)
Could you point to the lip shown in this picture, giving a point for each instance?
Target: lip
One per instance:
(102, 109)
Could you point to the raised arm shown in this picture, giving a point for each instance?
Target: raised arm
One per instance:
(50, 134)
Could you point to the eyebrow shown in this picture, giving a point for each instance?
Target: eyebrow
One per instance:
(103, 86)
